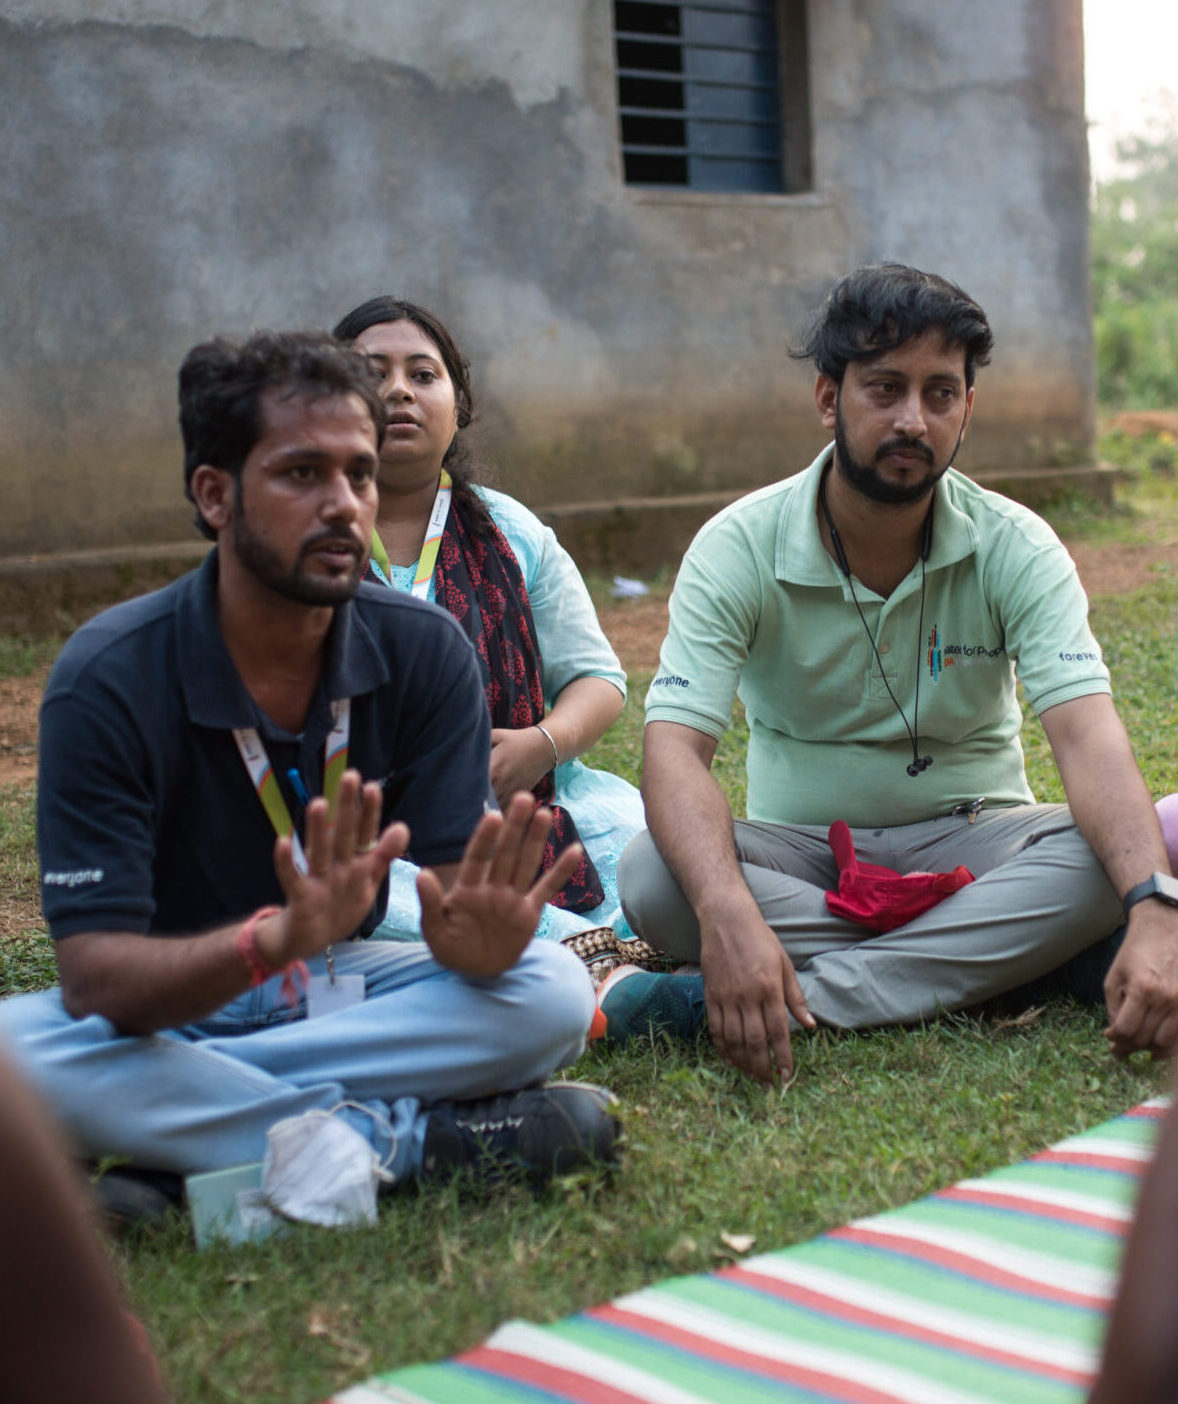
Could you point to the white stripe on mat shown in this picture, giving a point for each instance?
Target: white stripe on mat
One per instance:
(920, 1311)
(1087, 1144)
(1012, 1188)
(1037, 1267)
(550, 1348)
(906, 1384)
(375, 1392)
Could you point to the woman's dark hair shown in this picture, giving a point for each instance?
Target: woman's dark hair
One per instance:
(883, 305)
(457, 460)
(222, 383)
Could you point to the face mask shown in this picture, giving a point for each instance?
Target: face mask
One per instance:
(320, 1170)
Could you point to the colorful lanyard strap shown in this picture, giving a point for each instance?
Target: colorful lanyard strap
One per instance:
(335, 762)
(379, 557)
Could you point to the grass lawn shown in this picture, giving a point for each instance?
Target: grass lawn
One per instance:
(871, 1121)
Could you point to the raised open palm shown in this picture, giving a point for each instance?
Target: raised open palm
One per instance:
(482, 924)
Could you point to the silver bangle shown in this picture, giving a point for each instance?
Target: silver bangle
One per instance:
(551, 742)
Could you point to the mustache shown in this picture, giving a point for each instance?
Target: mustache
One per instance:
(915, 446)
(340, 541)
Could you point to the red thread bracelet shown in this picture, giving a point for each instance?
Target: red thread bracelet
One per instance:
(247, 947)
(294, 976)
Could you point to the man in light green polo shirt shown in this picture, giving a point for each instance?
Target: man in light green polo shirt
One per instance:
(872, 613)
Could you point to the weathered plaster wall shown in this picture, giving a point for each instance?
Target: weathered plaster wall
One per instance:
(954, 138)
(177, 168)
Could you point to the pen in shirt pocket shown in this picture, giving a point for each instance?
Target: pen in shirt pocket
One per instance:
(393, 787)
(298, 785)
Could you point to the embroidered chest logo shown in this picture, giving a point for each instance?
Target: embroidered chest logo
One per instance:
(942, 655)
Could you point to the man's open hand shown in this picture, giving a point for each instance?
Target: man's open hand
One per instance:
(1141, 987)
(749, 982)
(481, 925)
(346, 864)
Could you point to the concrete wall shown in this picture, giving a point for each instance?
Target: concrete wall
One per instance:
(176, 168)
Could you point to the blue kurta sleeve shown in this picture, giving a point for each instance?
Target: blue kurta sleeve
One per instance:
(572, 643)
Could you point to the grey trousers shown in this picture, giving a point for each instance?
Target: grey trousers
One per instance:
(1039, 899)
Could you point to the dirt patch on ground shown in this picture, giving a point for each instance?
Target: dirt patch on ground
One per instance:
(19, 700)
(1136, 422)
(636, 629)
(1117, 569)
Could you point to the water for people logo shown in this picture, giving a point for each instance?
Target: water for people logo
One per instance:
(935, 663)
(942, 655)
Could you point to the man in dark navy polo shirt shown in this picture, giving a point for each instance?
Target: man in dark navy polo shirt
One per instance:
(227, 769)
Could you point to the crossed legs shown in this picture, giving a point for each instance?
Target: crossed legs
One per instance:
(203, 1097)
(1040, 898)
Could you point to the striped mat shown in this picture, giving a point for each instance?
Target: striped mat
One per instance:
(990, 1292)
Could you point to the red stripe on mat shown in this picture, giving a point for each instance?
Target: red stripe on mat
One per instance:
(896, 1326)
(1154, 1113)
(1093, 1160)
(967, 1266)
(1085, 1218)
(567, 1384)
(834, 1387)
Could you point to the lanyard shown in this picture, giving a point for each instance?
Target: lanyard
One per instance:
(379, 557)
(335, 762)
(433, 537)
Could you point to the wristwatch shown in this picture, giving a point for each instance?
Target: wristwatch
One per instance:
(1160, 885)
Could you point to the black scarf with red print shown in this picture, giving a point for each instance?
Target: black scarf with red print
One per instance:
(479, 581)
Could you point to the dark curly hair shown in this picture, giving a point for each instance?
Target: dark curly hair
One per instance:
(881, 306)
(457, 460)
(222, 382)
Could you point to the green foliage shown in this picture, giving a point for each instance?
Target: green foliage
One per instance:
(26, 963)
(20, 657)
(621, 749)
(1134, 243)
(1137, 354)
(26, 957)
(19, 887)
(1146, 456)
(1137, 633)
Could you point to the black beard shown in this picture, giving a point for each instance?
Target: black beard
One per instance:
(865, 478)
(263, 564)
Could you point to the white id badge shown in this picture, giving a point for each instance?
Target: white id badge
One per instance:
(323, 997)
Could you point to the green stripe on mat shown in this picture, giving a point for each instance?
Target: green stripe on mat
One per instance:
(916, 1282)
(745, 1302)
(868, 1346)
(1067, 1243)
(1110, 1185)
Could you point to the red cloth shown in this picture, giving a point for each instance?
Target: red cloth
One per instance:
(881, 898)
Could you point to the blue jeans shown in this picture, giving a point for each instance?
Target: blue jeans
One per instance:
(202, 1097)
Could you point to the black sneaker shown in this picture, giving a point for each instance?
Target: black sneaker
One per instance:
(541, 1131)
(128, 1197)
(1081, 978)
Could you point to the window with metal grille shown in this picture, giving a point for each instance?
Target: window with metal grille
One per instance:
(700, 93)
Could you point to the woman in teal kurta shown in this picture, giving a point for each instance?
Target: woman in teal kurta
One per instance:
(427, 389)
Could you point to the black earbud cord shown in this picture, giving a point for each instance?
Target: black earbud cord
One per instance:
(919, 763)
